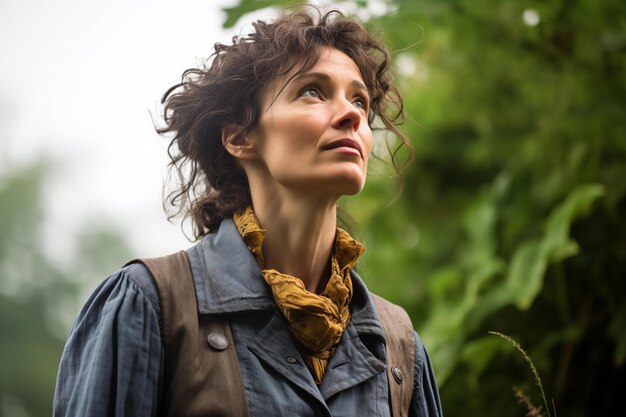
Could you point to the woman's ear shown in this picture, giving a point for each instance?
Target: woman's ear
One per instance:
(236, 143)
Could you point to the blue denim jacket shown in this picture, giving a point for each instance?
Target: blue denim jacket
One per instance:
(112, 362)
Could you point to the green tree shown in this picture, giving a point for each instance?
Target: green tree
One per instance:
(39, 297)
(512, 215)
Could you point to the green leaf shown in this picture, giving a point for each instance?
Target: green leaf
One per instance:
(233, 14)
(556, 242)
(532, 258)
(526, 272)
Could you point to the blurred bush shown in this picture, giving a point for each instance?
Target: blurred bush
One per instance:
(39, 295)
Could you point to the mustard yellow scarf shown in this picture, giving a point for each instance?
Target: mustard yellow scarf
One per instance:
(316, 321)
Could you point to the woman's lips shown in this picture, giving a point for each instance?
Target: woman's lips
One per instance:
(346, 145)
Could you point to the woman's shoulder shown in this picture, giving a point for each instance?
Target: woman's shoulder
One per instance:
(114, 346)
(127, 293)
(140, 276)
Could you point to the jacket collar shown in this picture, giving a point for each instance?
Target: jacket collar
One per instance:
(228, 280)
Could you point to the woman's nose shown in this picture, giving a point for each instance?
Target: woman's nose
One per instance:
(348, 116)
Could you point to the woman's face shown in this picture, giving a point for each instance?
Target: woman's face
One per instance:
(314, 135)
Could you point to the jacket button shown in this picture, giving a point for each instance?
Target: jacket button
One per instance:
(217, 341)
(397, 374)
(291, 359)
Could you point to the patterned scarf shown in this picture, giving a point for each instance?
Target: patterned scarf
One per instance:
(316, 321)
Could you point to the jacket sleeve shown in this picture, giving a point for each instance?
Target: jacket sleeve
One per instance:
(425, 402)
(112, 360)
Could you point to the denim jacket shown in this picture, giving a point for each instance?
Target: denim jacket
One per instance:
(113, 360)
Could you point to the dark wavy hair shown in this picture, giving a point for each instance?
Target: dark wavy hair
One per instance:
(227, 90)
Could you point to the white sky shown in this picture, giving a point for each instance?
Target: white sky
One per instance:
(78, 79)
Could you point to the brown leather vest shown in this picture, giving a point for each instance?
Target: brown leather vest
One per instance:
(202, 376)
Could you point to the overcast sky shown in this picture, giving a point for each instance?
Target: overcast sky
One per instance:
(78, 80)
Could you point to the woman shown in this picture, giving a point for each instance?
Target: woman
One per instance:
(266, 138)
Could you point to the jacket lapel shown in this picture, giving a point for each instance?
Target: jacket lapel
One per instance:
(351, 364)
(274, 347)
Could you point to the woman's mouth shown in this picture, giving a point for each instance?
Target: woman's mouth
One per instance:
(345, 145)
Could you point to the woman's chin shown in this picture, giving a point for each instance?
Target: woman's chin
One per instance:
(348, 185)
(336, 184)
(355, 189)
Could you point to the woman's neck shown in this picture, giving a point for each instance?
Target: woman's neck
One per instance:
(299, 237)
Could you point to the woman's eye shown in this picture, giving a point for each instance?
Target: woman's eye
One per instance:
(311, 92)
(361, 103)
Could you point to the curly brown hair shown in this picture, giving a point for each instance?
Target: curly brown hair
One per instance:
(227, 90)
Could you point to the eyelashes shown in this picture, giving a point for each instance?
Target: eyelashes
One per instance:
(313, 91)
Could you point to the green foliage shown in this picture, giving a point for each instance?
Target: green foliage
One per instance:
(512, 215)
(39, 298)
(23, 284)
(233, 14)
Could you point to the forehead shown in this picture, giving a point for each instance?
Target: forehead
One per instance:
(331, 62)
(335, 59)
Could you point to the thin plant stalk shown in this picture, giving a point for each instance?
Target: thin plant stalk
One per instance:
(532, 368)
